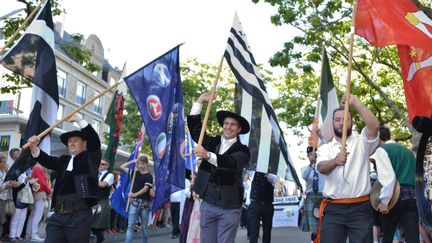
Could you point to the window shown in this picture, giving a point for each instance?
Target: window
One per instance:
(96, 126)
(60, 115)
(61, 81)
(81, 93)
(97, 104)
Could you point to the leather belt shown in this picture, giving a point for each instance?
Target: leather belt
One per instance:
(68, 208)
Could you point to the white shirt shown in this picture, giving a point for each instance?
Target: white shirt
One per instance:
(109, 178)
(356, 170)
(386, 175)
(307, 175)
(225, 143)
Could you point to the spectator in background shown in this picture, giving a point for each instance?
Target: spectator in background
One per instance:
(175, 200)
(19, 218)
(40, 198)
(5, 188)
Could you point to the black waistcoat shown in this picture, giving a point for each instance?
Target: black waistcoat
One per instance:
(262, 189)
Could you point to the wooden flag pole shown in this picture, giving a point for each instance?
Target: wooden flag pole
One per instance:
(212, 94)
(49, 129)
(12, 38)
(132, 183)
(348, 81)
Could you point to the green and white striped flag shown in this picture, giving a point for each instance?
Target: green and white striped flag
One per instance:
(329, 100)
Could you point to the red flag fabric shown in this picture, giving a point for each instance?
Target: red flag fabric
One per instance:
(401, 22)
(416, 65)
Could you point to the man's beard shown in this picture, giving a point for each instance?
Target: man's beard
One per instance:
(339, 134)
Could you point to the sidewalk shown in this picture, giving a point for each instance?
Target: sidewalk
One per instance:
(120, 237)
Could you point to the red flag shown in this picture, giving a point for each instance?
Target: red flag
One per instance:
(416, 65)
(401, 22)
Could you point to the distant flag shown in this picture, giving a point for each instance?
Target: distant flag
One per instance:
(190, 155)
(396, 22)
(268, 148)
(157, 90)
(119, 197)
(416, 66)
(328, 99)
(33, 58)
(114, 119)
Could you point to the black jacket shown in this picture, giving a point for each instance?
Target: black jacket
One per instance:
(83, 179)
(221, 185)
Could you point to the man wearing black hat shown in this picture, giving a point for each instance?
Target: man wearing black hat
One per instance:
(314, 186)
(219, 179)
(76, 186)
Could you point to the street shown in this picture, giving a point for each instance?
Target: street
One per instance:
(279, 235)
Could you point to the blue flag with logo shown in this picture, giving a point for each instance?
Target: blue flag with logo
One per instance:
(119, 197)
(158, 93)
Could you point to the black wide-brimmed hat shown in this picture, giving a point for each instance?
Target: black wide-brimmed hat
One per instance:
(221, 115)
(309, 149)
(65, 136)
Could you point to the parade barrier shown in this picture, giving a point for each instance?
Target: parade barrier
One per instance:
(286, 211)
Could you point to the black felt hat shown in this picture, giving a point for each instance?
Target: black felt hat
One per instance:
(309, 149)
(221, 115)
(65, 136)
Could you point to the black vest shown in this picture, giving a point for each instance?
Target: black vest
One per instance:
(262, 189)
(104, 192)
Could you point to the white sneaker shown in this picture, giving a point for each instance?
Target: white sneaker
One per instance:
(36, 238)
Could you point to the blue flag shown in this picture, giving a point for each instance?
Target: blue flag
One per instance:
(119, 197)
(190, 155)
(157, 90)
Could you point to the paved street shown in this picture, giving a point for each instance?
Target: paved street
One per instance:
(279, 235)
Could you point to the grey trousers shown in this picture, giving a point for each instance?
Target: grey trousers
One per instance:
(218, 225)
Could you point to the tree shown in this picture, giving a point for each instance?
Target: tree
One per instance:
(75, 50)
(376, 79)
(196, 79)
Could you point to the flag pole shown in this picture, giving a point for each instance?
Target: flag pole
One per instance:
(212, 94)
(132, 183)
(12, 38)
(348, 81)
(49, 129)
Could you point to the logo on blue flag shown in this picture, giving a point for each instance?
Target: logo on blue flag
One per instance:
(157, 90)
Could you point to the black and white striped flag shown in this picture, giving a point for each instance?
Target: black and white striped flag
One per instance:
(33, 58)
(266, 142)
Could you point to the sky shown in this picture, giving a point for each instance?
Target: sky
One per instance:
(138, 31)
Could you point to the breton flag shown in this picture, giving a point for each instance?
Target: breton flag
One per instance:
(119, 197)
(396, 22)
(266, 142)
(157, 91)
(33, 58)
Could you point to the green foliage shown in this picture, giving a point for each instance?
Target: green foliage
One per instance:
(376, 78)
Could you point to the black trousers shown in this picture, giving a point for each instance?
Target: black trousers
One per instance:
(347, 220)
(259, 211)
(175, 217)
(404, 214)
(69, 228)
